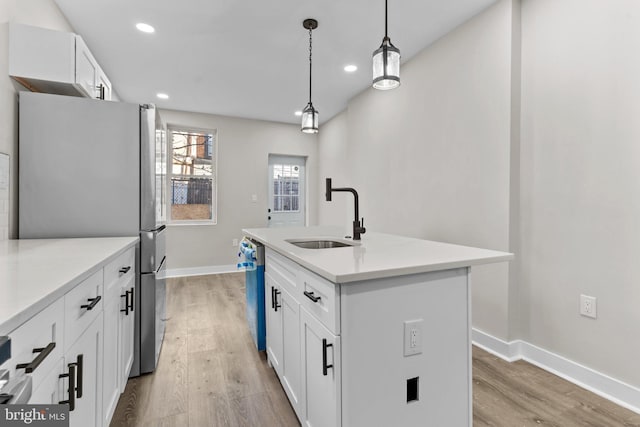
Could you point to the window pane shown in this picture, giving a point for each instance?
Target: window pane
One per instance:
(286, 179)
(192, 181)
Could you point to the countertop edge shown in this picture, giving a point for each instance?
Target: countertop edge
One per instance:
(381, 274)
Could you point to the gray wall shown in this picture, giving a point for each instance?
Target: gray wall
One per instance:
(581, 180)
(42, 13)
(244, 146)
(518, 130)
(432, 158)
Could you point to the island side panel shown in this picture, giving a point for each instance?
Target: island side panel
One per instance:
(374, 368)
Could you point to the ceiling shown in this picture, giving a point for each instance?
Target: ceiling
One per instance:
(249, 58)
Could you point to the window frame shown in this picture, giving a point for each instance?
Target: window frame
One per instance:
(171, 128)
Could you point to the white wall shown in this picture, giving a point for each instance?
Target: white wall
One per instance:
(432, 158)
(42, 13)
(581, 180)
(244, 146)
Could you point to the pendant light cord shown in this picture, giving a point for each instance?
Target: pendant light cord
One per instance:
(310, 65)
(385, 20)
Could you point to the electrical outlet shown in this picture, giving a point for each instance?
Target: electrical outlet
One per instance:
(254, 198)
(412, 337)
(234, 242)
(588, 306)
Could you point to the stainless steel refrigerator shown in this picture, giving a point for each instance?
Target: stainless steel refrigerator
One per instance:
(91, 168)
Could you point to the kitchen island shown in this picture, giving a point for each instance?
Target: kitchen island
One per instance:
(376, 332)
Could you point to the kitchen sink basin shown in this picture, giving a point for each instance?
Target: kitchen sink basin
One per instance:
(319, 244)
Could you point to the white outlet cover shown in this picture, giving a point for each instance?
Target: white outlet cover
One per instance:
(588, 306)
(412, 347)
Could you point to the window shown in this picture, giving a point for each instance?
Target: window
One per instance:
(286, 188)
(193, 176)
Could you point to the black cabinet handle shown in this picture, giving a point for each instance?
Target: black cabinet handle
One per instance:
(275, 294)
(131, 295)
(324, 356)
(100, 91)
(311, 296)
(42, 354)
(93, 302)
(273, 298)
(80, 379)
(126, 303)
(71, 401)
(124, 270)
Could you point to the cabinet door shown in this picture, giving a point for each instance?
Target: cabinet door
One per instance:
(321, 370)
(111, 377)
(291, 366)
(273, 311)
(126, 333)
(88, 350)
(86, 69)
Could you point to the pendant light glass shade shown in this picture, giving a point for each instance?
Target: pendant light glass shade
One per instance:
(386, 66)
(386, 62)
(309, 114)
(309, 119)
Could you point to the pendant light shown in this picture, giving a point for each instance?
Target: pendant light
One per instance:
(386, 62)
(310, 114)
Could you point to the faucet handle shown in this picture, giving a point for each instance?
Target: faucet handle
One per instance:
(362, 229)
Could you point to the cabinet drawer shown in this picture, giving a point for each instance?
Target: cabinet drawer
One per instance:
(82, 308)
(118, 272)
(38, 333)
(321, 298)
(283, 271)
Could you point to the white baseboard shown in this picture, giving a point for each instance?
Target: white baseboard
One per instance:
(201, 271)
(603, 385)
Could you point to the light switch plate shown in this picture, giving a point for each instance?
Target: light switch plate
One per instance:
(412, 337)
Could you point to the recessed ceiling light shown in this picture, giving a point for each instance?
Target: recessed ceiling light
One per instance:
(162, 96)
(298, 113)
(350, 68)
(145, 28)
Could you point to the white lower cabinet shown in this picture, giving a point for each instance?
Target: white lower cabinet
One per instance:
(321, 371)
(79, 349)
(340, 353)
(296, 340)
(118, 330)
(273, 316)
(84, 381)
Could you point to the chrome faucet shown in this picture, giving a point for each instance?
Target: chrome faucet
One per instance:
(358, 227)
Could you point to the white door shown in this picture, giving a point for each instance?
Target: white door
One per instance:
(286, 191)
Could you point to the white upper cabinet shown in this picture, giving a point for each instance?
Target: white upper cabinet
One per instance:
(58, 62)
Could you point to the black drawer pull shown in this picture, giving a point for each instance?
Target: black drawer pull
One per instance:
(93, 302)
(275, 294)
(80, 382)
(42, 354)
(71, 401)
(273, 298)
(311, 296)
(125, 270)
(325, 367)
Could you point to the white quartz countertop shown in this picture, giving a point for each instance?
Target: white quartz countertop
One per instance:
(376, 256)
(36, 272)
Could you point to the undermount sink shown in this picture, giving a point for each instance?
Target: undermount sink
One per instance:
(320, 244)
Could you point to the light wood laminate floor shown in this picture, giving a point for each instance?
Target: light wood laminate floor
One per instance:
(210, 374)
